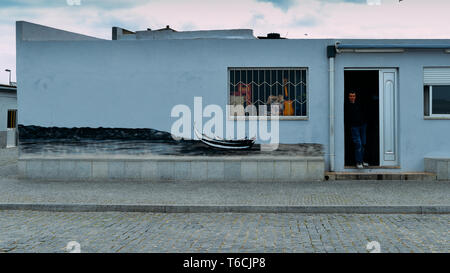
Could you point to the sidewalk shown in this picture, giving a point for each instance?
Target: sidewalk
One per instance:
(364, 196)
(308, 197)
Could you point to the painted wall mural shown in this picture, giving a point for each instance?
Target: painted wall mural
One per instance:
(85, 140)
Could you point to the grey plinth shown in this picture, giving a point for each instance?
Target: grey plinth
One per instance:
(439, 166)
(171, 168)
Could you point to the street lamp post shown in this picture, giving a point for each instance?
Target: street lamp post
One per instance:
(7, 70)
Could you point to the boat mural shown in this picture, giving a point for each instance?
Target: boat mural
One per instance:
(219, 143)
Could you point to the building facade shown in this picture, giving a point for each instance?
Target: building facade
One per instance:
(71, 80)
(8, 116)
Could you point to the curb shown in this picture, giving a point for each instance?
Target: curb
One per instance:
(228, 209)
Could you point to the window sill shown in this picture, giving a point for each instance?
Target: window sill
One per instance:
(267, 118)
(436, 118)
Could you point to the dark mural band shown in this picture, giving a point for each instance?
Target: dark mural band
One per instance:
(87, 133)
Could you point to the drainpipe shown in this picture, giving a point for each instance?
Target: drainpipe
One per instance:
(331, 54)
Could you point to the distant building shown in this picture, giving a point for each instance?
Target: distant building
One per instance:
(8, 116)
(169, 33)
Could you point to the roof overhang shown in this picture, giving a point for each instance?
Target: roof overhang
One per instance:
(388, 48)
(10, 88)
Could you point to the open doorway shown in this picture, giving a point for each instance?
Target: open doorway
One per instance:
(366, 85)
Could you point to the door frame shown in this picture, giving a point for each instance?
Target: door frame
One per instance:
(383, 163)
(395, 161)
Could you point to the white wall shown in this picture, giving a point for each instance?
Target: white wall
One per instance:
(26, 31)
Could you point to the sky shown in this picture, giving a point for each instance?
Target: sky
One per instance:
(302, 19)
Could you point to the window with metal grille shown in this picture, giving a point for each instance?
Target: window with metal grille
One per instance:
(261, 89)
(12, 119)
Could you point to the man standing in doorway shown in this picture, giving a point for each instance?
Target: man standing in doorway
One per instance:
(358, 125)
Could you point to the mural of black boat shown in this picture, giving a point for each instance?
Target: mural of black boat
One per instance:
(238, 144)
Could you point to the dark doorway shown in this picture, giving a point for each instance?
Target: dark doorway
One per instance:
(366, 85)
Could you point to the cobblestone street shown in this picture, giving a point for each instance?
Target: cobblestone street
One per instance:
(32, 231)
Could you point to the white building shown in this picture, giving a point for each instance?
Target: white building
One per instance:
(8, 116)
(133, 81)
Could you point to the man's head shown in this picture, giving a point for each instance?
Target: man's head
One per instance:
(352, 97)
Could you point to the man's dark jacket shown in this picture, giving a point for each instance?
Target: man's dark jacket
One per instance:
(354, 114)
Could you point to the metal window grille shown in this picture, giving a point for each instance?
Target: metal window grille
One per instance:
(263, 87)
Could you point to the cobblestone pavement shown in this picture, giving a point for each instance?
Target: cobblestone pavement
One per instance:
(327, 193)
(30, 231)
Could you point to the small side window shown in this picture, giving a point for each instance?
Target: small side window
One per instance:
(436, 93)
(440, 100)
(436, 101)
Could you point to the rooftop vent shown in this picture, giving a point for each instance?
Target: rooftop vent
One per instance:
(271, 36)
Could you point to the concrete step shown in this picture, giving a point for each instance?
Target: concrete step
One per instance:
(421, 176)
(438, 165)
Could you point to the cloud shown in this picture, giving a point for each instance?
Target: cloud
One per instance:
(346, 1)
(286, 4)
(307, 21)
(282, 4)
(103, 4)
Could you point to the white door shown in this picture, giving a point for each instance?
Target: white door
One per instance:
(388, 118)
(10, 137)
(11, 128)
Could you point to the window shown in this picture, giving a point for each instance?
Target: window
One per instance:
(437, 100)
(12, 119)
(268, 91)
(437, 92)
